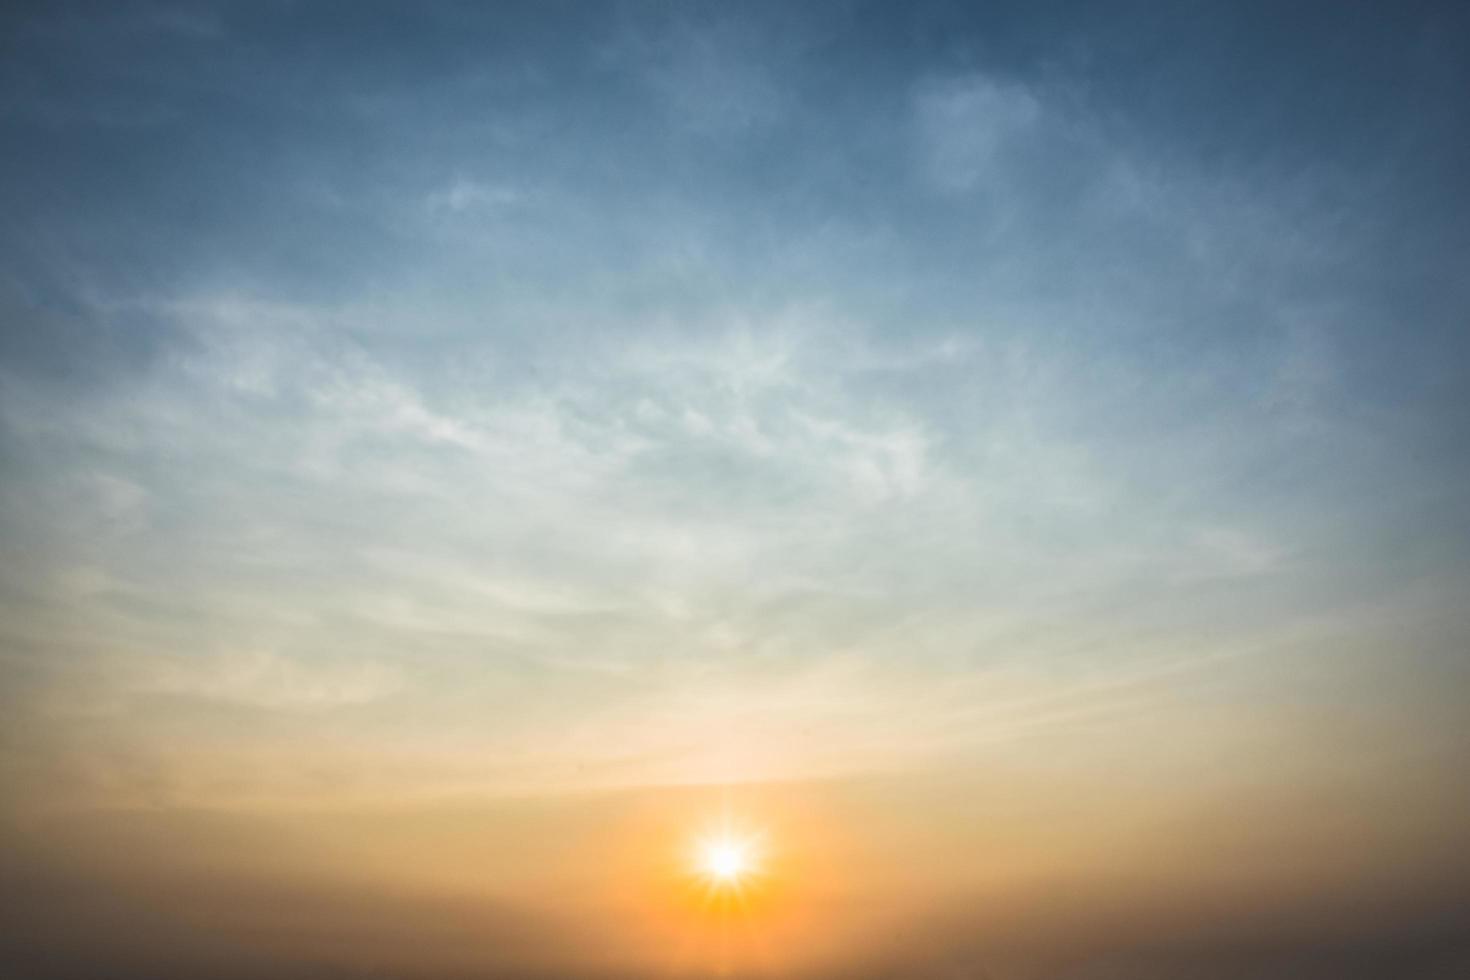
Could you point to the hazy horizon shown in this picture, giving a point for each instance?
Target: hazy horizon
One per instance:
(583, 491)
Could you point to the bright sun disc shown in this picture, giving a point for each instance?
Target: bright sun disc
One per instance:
(725, 860)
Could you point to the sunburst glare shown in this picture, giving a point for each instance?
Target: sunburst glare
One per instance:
(727, 860)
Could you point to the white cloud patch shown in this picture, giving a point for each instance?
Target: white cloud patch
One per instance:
(965, 127)
(463, 194)
(714, 79)
(269, 680)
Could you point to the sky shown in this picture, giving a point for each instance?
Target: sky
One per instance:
(1011, 461)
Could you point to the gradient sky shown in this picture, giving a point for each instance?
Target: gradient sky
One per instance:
(1016, 456)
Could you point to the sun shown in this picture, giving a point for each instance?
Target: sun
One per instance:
(725, 860)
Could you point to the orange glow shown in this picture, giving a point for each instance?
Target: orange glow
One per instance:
(745, 881)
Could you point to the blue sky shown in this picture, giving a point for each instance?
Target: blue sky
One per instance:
(568, 343)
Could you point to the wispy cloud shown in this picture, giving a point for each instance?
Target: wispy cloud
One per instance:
(837, 387)
(968, 128)
(463, 194)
